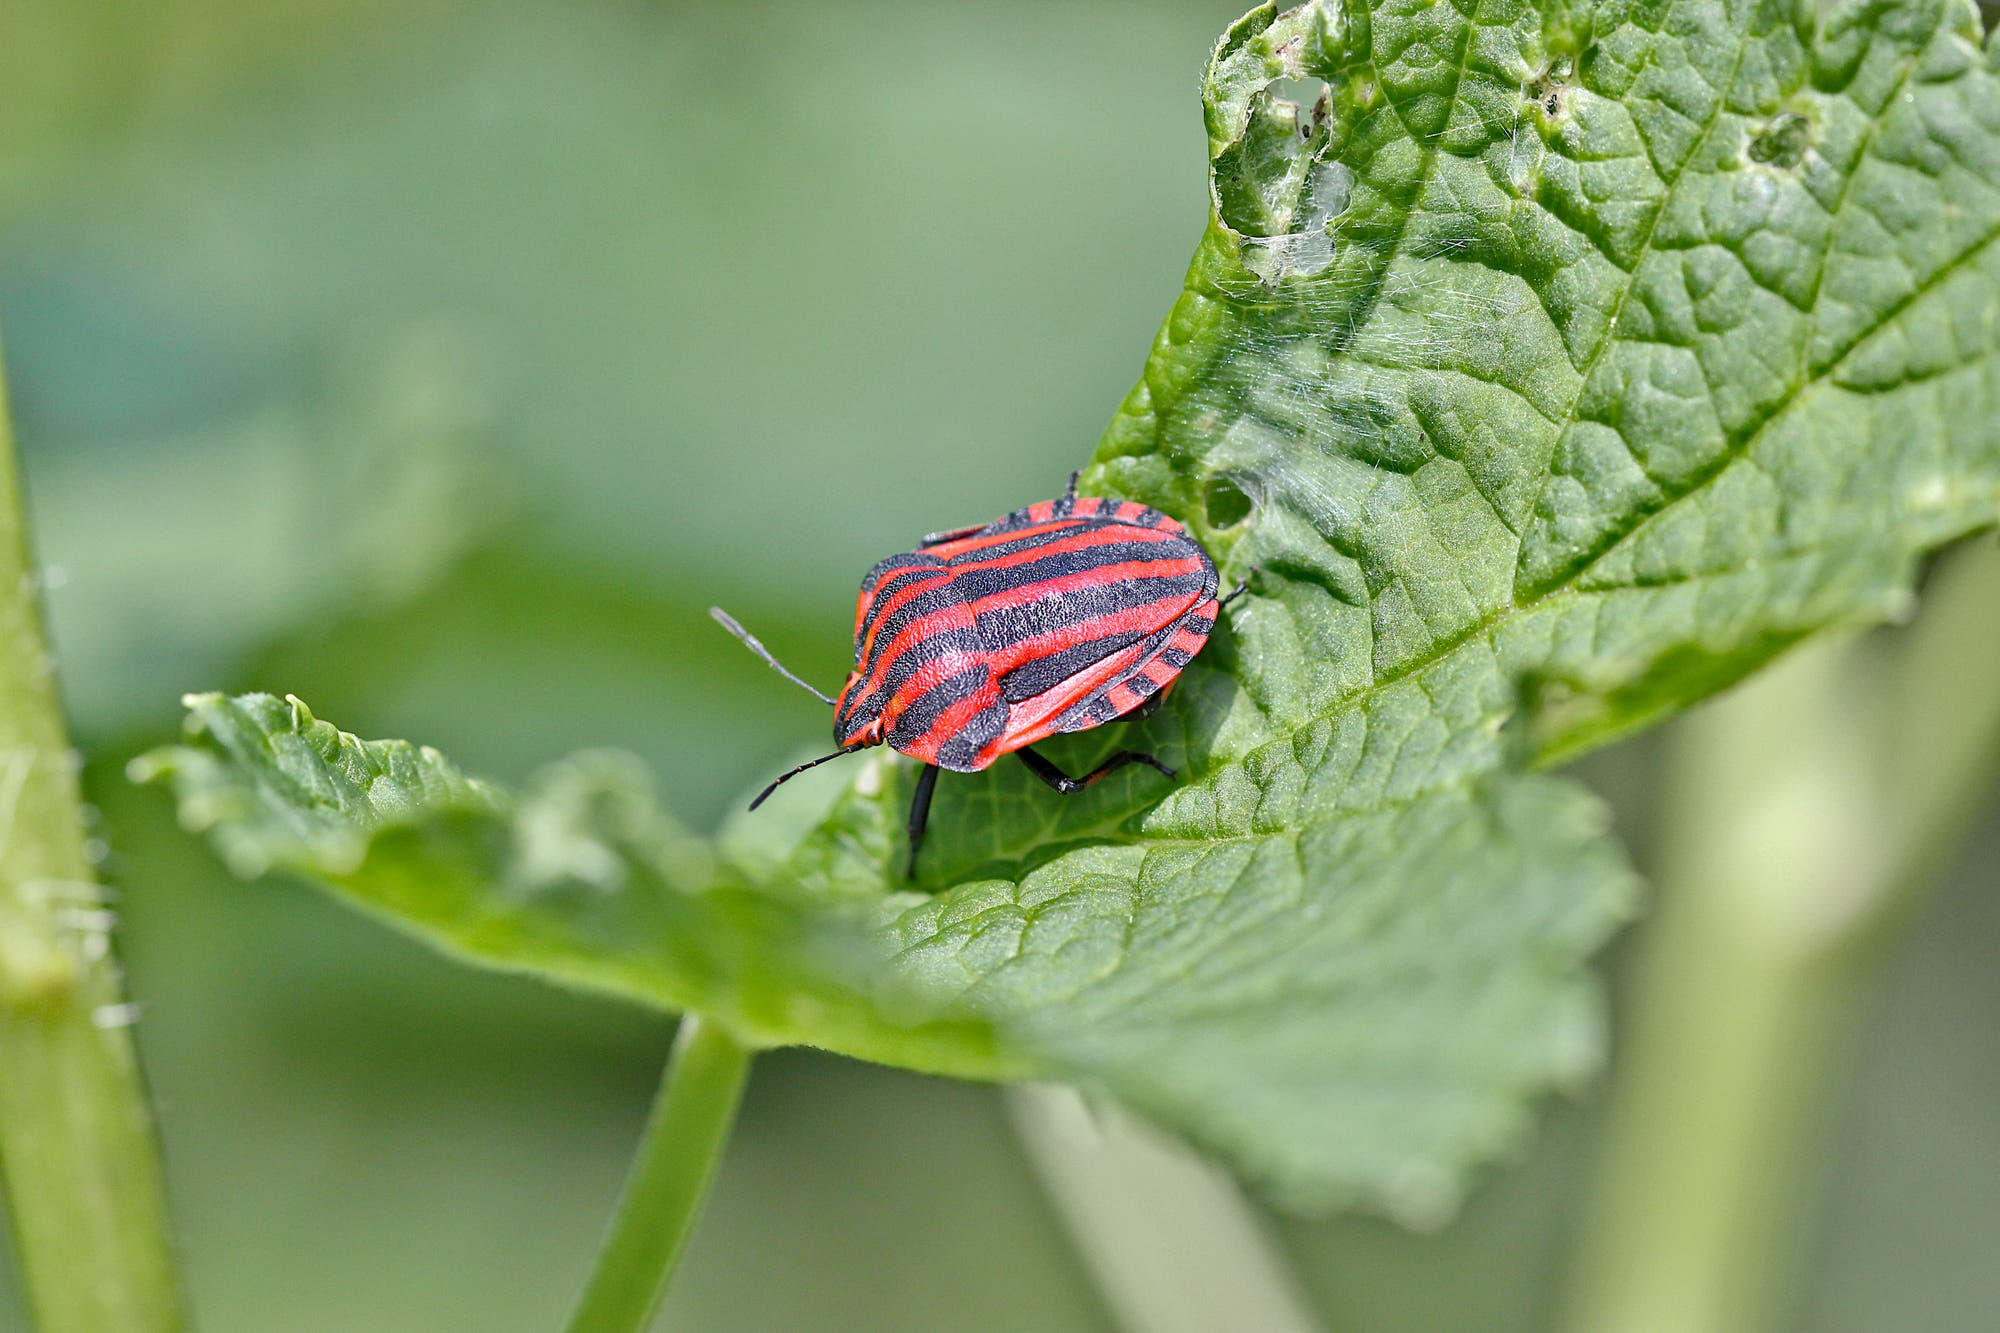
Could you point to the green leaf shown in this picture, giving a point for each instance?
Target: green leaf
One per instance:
(582, 880)
(1556, 366)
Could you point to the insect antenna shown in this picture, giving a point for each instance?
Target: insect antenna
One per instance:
(783, 778)
(728, 622)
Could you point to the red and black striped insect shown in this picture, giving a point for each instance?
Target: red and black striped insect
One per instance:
(1059, 617)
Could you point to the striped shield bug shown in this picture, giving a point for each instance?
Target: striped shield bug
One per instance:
(1059, 617)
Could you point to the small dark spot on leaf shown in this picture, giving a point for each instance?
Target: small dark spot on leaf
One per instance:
(1783, 142)
(1225, 503)
(1546, 88)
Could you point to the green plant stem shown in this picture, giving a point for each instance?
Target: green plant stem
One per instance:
(1804, 814)
(683, 1143)
(77, 1151)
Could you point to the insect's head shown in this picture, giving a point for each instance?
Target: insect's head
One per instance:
(857, 715)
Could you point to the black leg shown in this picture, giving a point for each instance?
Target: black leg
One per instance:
(1235, 592)
(1068, 785)
(920, 814)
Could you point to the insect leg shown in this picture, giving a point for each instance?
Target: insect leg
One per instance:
(1237, 591)
(920, 814)
(1068, 785)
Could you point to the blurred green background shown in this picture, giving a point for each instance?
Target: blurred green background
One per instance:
(441, 362)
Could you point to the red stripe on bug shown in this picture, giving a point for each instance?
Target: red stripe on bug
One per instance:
(873, 594)
(1088, 510)
(1084, 539)
(1035, 719)
(1106, 575)
(997, 536)
(949, 722)
(959, 613)
(1144, 616)
(1001, 661)
(889, 607)
(1107, 535)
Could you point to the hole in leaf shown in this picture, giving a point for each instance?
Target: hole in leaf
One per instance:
(1264, 180)
(1311, 96)
(1546, 89)
(1225, 503)
(1783, 142)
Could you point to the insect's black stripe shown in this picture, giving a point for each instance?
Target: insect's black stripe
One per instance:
(1027, 539)
(925, 570)
(1023, 538)
(1059, 590)
(960, 752)
(960, 747)
(1063, 530)
(924, 710)
(1032, 535)
(1098, 707)
(1002, 627)
(881, 632)
(884, 679)
(1063, 606)
(890, 627)
(1045, 673)
(1093, 711)
(972, 584)
(907, 560)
